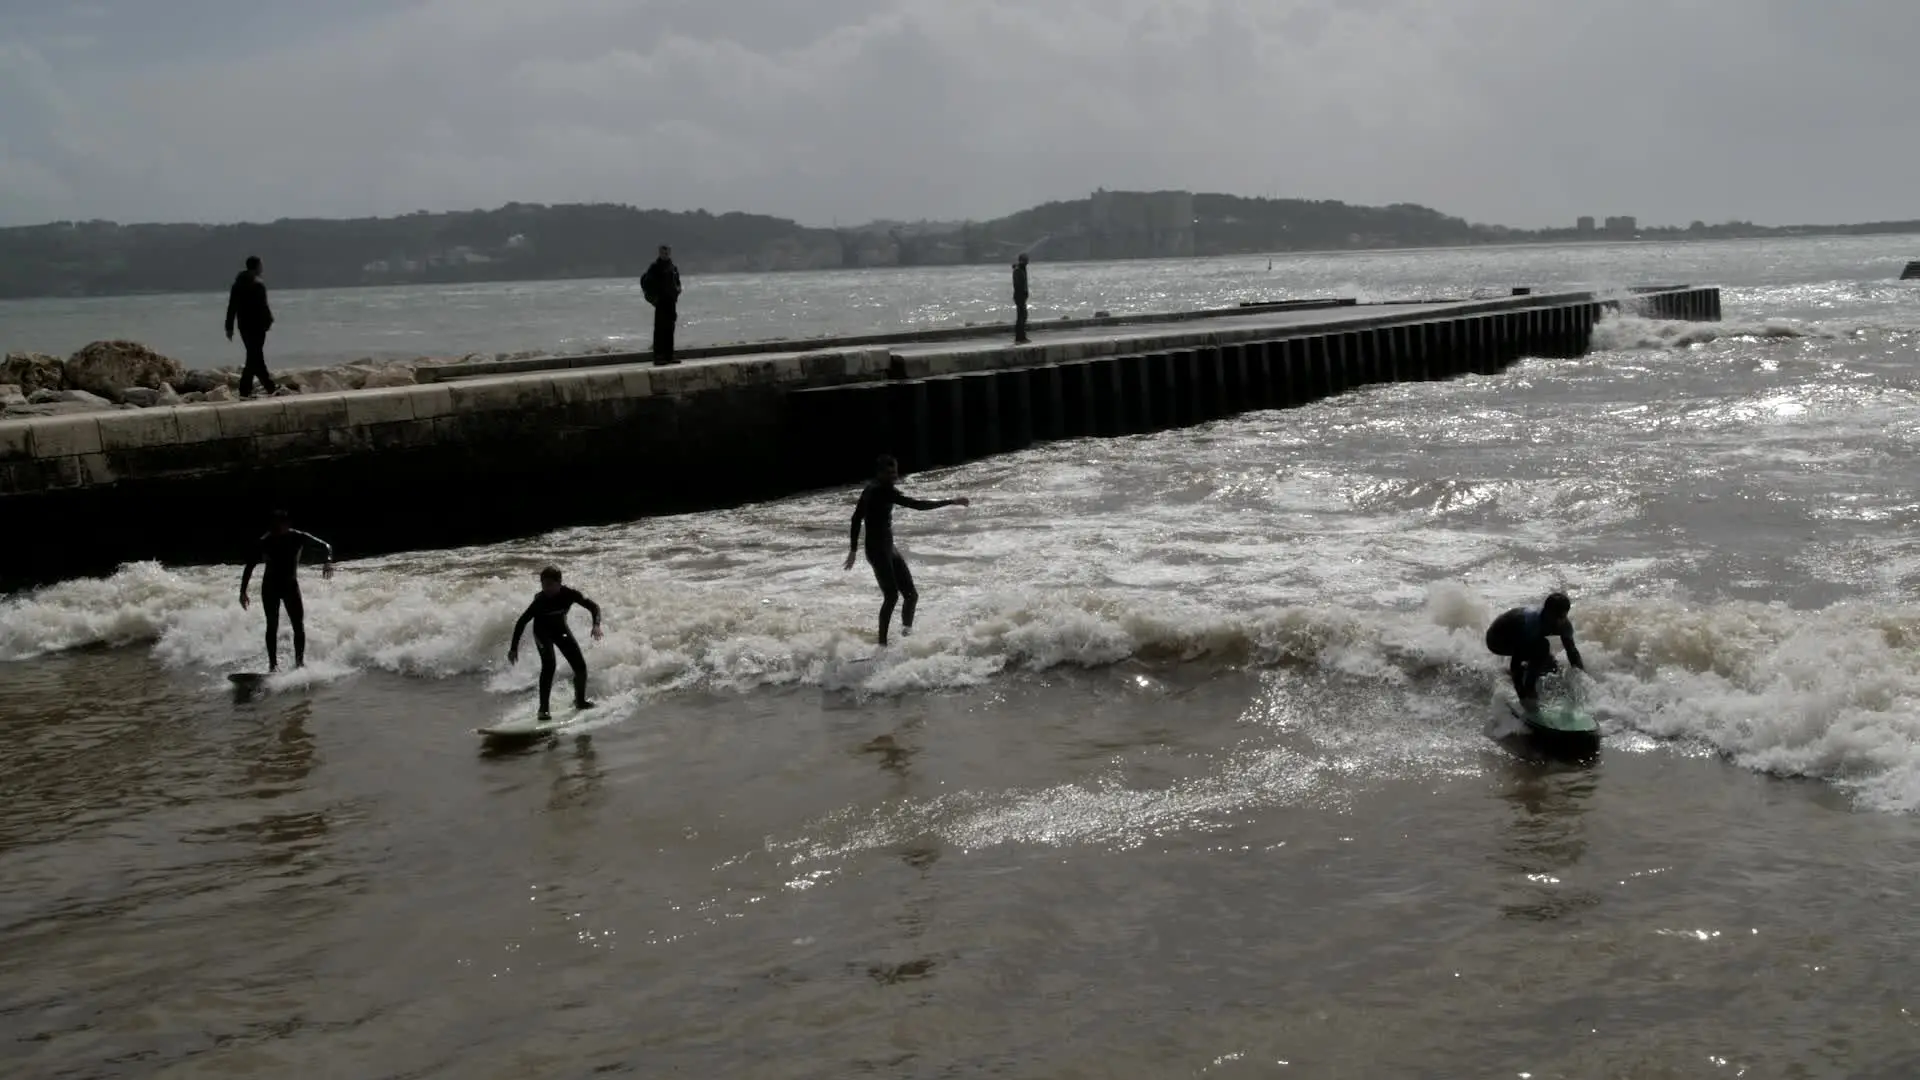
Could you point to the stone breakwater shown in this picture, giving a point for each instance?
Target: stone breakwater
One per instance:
(109, 375)
(481, 458)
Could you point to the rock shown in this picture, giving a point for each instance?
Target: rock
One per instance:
(68, 397)
(11, 395)
(168, 396)
(107, 367)
(318, 380)
(194, 397)
(392, 376)
(140, 396)
(59, 403)
(200, 380)
(33, 371)
(218, 393)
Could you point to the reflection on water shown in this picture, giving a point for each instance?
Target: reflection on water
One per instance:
(1545, 838)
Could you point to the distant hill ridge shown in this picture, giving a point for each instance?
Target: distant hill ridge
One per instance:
(528, 241)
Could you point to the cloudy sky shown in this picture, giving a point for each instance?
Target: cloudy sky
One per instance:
(1526, 112)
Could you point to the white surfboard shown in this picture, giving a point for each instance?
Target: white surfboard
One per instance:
(519, 729)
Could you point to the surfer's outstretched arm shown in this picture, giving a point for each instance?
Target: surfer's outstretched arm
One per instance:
(326, 551)
(593, 609)
(1573, 651)
(923, 504)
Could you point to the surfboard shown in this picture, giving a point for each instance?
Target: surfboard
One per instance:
(519, 729)
(1559, 717)
(1560, 728)
(247, 678)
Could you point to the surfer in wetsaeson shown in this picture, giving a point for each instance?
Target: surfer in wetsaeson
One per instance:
(1522, 633)
(280, 550)
(548, 614)
(875, 508)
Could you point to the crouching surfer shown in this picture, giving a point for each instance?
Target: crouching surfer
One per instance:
(1523, 634)
(548, 614)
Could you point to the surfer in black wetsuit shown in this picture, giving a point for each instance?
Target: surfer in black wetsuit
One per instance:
(280, 550)
(889, 569)
(1523, 632)
(548, 614)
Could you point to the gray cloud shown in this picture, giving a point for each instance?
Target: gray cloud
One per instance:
(1501, 110)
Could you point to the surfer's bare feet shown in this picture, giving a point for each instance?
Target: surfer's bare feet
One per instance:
(544, 715)
(583, 704)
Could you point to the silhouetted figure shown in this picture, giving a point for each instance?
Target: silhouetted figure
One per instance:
(247, 309)
(280, 550)
(875, 509)
(1523, 634)
(661, 286)
(1020, 300)
(548, 614)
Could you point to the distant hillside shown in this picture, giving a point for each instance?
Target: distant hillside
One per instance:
(525, 241)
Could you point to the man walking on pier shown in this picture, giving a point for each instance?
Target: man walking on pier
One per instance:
(889, 569)
(661, 286)
(280, 550)
(1020, 300)
(247, 308)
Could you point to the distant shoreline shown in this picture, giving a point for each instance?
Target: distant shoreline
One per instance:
(1506, 244)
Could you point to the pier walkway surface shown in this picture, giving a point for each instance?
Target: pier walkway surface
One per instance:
(489, 451)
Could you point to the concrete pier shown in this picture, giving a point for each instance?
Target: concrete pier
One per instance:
(474, 458)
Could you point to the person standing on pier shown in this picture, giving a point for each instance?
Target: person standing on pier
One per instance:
(548, 614)
(247, 309)
(661, 286)
(1020, 299)
(889, 569)
(280, 550)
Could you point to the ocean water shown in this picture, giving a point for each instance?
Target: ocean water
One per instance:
(1191, 767)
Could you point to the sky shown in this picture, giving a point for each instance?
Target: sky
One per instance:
(1518, 112)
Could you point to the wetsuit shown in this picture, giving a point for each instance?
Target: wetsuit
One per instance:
(548, 614)
(661, 286)
(889, 569)
(279, 585)
(1522, 634)
(247, 309)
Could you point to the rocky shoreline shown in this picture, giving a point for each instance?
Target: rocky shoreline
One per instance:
(127, 375)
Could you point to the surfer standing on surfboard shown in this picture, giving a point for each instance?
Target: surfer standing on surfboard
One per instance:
(889, 569)
(548, 614)
(1523, 632)
(280, 550)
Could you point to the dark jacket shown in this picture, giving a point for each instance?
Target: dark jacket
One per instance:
(1019, 283)
(661, 283)
(247, 305)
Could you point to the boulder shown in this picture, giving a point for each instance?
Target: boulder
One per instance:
(389, 376)
(68, 397)
(107, 367)
(194, 397)
(200, 380)
(318, 380)
(145, 398)
(11, 395)
(59, 403)
(33, 371)
(218, 393)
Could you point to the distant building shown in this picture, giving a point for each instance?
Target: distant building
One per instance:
(1585, 224)
(1625, 223)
